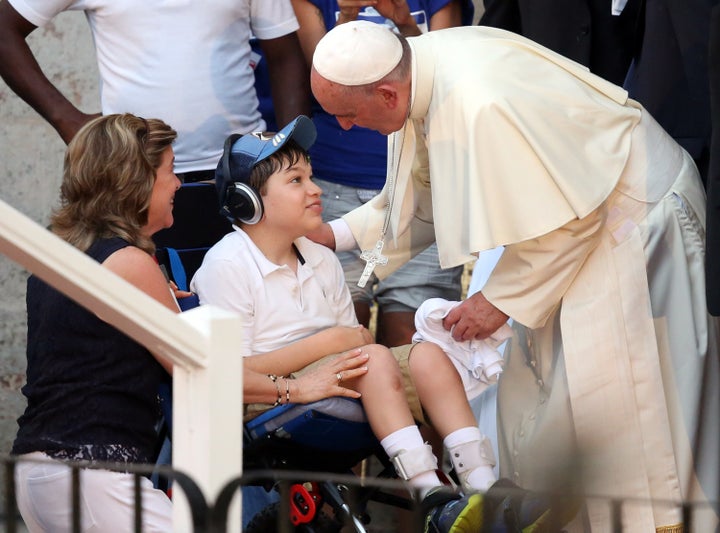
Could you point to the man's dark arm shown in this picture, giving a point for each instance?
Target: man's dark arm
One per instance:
(20, 70)
(289, 77)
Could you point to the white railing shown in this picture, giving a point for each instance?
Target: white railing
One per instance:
(207, 375)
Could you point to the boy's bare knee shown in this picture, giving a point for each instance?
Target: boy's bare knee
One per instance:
(426, 354)
(382, 366)
(428, 363)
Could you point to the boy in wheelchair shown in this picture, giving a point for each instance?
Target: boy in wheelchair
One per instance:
(298, 311)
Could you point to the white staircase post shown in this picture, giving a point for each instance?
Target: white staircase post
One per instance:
(207, 413)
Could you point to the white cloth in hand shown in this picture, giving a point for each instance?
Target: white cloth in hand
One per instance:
(479, 362)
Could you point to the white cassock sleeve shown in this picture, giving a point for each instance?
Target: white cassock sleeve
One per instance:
(532, 276)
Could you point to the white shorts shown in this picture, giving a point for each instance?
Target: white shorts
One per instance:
(43, 487)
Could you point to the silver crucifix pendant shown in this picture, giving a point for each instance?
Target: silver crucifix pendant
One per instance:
(372, 258)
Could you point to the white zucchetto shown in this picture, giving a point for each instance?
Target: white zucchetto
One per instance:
(357, 53)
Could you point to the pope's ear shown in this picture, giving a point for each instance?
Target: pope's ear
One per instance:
(388, 94)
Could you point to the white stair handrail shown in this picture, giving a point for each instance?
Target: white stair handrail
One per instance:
(106, 294)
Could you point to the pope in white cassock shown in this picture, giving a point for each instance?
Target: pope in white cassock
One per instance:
(612, 381)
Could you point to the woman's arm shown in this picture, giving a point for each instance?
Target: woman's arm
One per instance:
(137, 267)
(319, 383)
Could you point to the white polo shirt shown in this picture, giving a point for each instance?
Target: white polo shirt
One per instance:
(278, 307)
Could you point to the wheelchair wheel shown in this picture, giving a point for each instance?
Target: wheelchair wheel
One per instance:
(268, 521)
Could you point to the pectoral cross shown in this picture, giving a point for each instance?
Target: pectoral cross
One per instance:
(372, 258)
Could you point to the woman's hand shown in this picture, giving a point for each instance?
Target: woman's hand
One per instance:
(326, 380)
(177, 292)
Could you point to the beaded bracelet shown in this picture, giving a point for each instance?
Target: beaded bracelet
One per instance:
(287, 390)
(274, 379)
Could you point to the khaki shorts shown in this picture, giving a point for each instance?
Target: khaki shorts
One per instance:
(402, 356)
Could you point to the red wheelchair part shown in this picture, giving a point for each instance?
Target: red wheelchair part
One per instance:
(304, 503)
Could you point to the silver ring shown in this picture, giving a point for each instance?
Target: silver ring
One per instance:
(339, 377)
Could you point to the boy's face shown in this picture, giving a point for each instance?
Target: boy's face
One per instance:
(292, 200)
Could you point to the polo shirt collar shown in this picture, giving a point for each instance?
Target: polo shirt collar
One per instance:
(307, 249)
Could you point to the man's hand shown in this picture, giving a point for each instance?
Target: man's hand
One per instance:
(398, 11)
(349, 9)
(323, 235)
(475, 318)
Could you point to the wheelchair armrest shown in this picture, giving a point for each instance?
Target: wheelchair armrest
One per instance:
(336, 423)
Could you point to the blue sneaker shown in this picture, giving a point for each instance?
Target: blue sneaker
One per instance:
(446, 512)
(504, 508)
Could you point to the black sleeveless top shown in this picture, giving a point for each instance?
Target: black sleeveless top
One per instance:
(91, 390)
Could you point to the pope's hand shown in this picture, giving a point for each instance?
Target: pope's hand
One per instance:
(323, 235)
(475, 318)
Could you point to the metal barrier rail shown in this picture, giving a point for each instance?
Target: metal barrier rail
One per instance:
(205, 517)
(214, 518)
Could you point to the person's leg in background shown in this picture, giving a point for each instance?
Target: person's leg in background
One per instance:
(400, 295)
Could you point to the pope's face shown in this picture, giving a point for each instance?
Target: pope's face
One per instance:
(354, 107)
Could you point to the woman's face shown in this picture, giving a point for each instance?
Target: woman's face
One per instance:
(160, 214)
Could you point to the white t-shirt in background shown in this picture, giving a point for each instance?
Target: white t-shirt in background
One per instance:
(186, 62)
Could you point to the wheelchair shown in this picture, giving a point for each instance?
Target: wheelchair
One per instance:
(327, 437)
(306, 452)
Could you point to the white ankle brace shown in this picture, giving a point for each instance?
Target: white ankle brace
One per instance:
(472, 455)
(410, 463)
